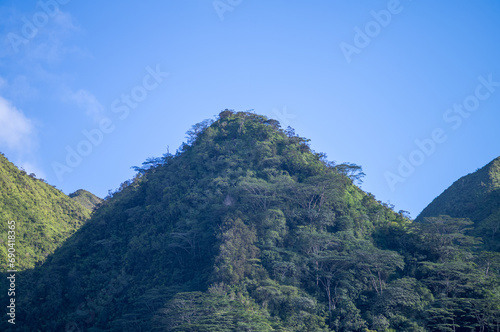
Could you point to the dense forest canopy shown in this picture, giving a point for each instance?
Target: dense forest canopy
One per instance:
(246, 228)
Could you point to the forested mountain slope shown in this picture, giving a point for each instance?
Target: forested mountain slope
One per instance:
(475, 196)
(42, 215)
(245, 228)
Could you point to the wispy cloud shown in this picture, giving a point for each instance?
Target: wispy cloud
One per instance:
(65, 21)
(40, 35)
(16, 130)
(87, 102)
(50, 45)
(20, 88)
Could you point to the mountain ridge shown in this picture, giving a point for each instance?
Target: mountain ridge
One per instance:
(44, 216)
(246, 228)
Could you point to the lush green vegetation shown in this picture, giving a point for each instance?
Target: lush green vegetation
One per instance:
(246, 228)
(44, 216)
(86, 199)
(475, 196)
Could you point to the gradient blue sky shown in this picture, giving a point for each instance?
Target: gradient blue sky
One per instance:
(362, 97)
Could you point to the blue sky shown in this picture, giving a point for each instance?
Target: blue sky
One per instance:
(407, 89)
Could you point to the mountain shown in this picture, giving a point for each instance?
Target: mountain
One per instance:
(246, 228)
(86, 199)
(475, 196)
(43, 216)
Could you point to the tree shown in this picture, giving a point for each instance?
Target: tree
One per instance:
(258, 191)
(377, 265)
(196, 130)
(445, 238)
(405, 297)
(197, 311)
(352, 171)
(237, 251)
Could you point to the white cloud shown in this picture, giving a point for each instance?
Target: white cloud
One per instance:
(87, 102)
(16, 130)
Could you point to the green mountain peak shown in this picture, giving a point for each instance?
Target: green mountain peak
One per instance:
(233, 217)
(44, 217)
(475, 196)
(86, 199)
(246, 228)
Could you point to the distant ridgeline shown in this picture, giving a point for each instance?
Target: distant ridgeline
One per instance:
(475, 196)
(86, 199)
(44, 217)
(246, 228)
